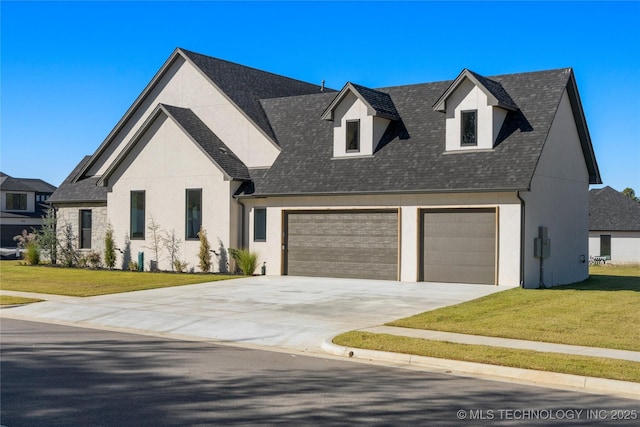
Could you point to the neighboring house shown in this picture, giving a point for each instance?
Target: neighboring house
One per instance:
(22, 206)
(439, 182)
(614, 226)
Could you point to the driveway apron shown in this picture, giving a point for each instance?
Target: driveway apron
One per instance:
(288, 312)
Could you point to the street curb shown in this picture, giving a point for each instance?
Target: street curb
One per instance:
(504, 373)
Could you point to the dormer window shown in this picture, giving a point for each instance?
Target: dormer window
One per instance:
(475, 109)
(360, 118)
(353, 136)
(469, 128)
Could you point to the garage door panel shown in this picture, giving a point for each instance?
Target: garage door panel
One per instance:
(350, 244)
(459, 245)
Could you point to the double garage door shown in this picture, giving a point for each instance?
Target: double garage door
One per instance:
(455, 245)
(350, 244)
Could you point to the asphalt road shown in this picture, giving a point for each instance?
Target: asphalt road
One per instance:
(55, 375)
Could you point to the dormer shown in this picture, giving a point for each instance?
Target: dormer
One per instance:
(360, 117)
(475, 108)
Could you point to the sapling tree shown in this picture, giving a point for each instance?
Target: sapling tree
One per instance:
(172, 245)
(109, 248)
(155, 242)
(204, 255)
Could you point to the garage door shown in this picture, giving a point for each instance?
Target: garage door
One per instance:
(350, 244)
(459, 246)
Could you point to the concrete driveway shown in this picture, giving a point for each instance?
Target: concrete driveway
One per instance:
(295, 313)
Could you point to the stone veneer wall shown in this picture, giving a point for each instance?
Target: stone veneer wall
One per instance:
(71, 215)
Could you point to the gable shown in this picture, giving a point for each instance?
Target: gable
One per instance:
(610, 210)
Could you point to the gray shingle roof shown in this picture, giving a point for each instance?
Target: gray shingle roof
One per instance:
(496, 90)
(209, 142)
(9, 183)
(610, 210)
(84, 190)
(246, 86)
(379, 101)
(413, 157)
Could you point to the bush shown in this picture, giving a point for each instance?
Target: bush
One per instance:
(32, 253)
(180, 266)
(94, 259)
(246, 260)
(109, 248)
(133, 266)
(204, 256)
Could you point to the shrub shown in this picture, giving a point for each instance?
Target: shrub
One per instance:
(109, 248)
(204, 255)
(32, 253)
(47, 236)
(133, 266)
(67, 246)
(94, 259)
(246, 260)
(180, 266)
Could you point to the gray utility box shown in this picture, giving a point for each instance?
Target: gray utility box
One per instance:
(542, 244)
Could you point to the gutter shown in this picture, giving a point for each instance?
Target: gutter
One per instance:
(522, 237)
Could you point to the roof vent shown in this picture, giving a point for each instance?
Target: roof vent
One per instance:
(322, 86)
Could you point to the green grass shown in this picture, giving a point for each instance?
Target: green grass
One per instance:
(11, 300)
(82, 282)
(527, 359)
(602, 311)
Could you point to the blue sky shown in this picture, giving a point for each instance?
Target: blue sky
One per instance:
(70, 70)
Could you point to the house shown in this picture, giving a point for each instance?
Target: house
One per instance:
(475, 180)
(22, 206)
(614, 226)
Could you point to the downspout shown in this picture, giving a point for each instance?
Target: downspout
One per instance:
(522, 238)
(241, 220)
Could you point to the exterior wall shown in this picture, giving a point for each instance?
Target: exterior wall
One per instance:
(625, 246)
(469, 97)
(559, 200)
(165, 163)
(70, 214)
(371, 128)
(508, 225)
(184, 86)
(31, 201)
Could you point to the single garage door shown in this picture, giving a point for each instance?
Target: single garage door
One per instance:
(459, 245)
(350, 244)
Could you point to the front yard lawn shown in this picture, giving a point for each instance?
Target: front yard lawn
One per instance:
(80, 282)
(11, 300)
(602, 311)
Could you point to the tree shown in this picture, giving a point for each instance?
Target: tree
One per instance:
(630, 194)
(48, 237)
(67, 246)
(172, 245)
(109, 248)
(205, 255)
(155, 242)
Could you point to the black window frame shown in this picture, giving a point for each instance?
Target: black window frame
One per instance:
(138, 235)
(260, 225)
(191, 233)
(605, 246)
(85, 229)
(12, 196)
(356, 136)
(463, 126)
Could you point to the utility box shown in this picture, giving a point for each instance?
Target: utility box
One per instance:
(542, 244)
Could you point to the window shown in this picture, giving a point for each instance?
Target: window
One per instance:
(193, 213)
(353, 136)
(85, 229)
(16, 202)
(42, 197)
(469, 128)
(260, 225)
(137, 214)
(605, 245)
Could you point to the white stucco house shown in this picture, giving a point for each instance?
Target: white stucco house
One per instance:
(447, 182)
(614, 227)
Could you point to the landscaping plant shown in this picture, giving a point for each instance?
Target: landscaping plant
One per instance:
(204, 255)
(246, 260)
(47, 236)
(109, 248)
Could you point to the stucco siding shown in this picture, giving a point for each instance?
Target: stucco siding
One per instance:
(507, 204)
(164, 164)
(559, 200)
(625, 246)
(184, 86)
